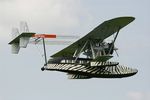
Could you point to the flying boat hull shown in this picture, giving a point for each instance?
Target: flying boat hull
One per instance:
(81, 71)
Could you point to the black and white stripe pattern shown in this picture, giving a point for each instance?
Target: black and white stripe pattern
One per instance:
(77, 76)
(90, 71)
(102, 64)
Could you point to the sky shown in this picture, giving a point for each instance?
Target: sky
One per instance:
(20, 75)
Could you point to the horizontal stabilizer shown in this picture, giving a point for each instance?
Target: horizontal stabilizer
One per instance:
(20, 41)
(17, 39)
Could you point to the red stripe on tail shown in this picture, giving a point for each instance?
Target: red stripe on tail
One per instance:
(44, 35)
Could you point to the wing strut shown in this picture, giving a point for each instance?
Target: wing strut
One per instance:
(114, 41)
(92, 49)
(81, 50)
(75, 53)
(44, 48)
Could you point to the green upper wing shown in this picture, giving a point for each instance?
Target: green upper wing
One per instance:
(101, 32)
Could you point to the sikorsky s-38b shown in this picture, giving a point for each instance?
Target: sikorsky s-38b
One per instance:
(88, 57)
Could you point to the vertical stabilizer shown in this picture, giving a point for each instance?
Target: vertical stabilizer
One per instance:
(24, 40)
(15, 33)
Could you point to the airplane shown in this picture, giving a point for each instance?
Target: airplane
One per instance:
(88, 57)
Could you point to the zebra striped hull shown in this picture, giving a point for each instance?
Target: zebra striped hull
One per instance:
(77, 76)
(83, 72)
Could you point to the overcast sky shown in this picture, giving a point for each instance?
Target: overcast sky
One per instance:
(20, 75)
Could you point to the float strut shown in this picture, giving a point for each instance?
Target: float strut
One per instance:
(44, 48)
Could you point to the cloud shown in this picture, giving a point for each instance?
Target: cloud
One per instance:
(139, 95)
